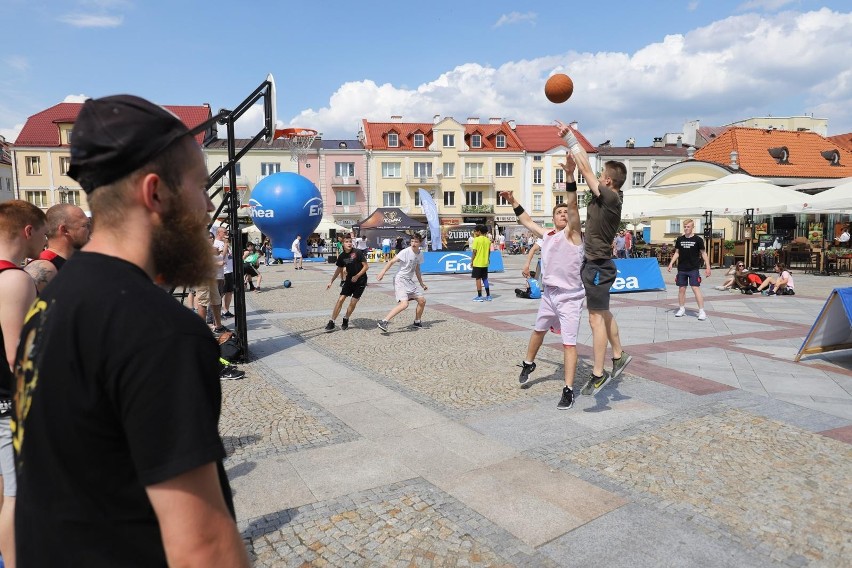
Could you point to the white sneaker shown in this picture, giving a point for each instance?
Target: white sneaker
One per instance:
(701, 315)
(681, 311)
(721, 288)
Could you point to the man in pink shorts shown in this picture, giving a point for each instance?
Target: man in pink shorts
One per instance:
(563, 293)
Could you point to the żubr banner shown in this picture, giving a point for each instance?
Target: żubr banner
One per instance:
(456, 262)
(636, 275)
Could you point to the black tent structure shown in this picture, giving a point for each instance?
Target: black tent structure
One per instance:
(388, 222)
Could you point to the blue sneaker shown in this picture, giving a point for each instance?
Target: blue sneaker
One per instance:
(479, 299)
(487, 298)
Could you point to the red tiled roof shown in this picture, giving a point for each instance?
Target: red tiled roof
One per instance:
(541, 138)
(41, 128)
(752, 146)
(843, 140)
(375, 135)
(489, 134)
(710, 133)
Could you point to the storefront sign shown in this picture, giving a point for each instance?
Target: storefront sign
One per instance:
(505, 218)
(475, 220)
(450, 221)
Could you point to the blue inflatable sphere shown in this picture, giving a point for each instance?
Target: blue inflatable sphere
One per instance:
(285, 205)
(287, 283)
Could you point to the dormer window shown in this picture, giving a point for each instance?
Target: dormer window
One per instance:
(393, 140)
(500, 141)
(419, 140)
(476, 141)
(781, 153)
(833, 157)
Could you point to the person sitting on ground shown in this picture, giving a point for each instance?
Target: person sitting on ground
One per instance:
(782, 285)
(748, 282)
(533, 291)
(731, 274)
(250, 265)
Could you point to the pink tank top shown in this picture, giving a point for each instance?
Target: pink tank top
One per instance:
(562, 261)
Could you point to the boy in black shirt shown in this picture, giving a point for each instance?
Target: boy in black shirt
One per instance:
(689, 252)
(352, 262)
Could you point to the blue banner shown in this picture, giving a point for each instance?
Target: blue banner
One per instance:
(637, 274)
(456, 262)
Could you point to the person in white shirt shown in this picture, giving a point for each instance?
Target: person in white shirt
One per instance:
(406, 289)
(296, 249)
(843, 239)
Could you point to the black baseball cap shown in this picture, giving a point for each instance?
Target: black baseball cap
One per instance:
(115, 136)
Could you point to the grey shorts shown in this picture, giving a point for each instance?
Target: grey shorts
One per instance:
(7, 459)
(598, 276)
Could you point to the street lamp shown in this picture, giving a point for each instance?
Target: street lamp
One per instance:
(748, 221)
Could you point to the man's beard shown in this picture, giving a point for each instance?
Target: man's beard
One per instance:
(183, 255)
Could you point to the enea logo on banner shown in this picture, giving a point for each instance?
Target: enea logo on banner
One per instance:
(257, 210)
(455, 262)
(314, 206)
(636, 274)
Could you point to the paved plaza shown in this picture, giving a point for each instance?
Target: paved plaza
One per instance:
(418, 447)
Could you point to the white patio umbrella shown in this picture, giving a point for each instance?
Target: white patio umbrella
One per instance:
(325, 225)
(835, 200)
(639, 203)
(730, 196)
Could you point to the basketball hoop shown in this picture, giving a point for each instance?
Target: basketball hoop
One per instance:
(298, 140)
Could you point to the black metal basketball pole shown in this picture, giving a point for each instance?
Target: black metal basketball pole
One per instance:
(232, 200)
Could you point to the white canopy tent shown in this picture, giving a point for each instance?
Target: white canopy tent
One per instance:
(730, 196)
(638, 204)
(835, 200)
(326, 225)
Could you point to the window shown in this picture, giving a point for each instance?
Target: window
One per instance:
(344, 198)
(391, 169)
(560, 200)
(473, 198)
(37, 198)
(502, 200)
(500, 141)
(580, 178)
(638, 178)
(536, 175)
(537, 202)
(473, 170)
(269, 168)
(450, 198)
(476, 141)
(236, 167)
(391, 199)
(72, 197)
(344, 169)
(560, 175)
(66, 135)
(419, 140)
(676, 226)
(417, 197)
(536, 158)
(449, 169)
(449, 140)
(33, 166)
(393, 140)
(64, 164)
(503, 169)
(422, 169)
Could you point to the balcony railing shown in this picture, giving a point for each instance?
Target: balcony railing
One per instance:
(422, 180)
(478, 180)
(345, 180)
(349, 210)
(477, 209)
(559, 186)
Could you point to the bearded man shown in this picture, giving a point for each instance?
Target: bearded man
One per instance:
(119, 456)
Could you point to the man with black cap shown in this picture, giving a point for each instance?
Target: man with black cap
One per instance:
(119, 457)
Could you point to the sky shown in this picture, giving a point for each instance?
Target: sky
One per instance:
(640, 69)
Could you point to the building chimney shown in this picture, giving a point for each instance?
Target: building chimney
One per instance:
(734, 160)
(495, 120)
(436, 119)
(473, 120)
(574, 125)
(690, 153)
(679, 143)
(658, 142)
(396, 118)
(512, 124)
(631, 143)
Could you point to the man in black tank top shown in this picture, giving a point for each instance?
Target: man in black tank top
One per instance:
(68, 229)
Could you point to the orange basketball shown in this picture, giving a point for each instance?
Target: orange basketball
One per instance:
(559, 88)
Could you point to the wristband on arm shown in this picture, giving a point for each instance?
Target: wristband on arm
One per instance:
(571, 186)
(518, 210)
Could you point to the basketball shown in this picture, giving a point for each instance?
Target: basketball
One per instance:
(287, 283)
(559, 88)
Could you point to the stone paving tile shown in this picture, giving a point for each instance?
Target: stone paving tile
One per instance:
(263, 416)
(411, 523)
(767, 486)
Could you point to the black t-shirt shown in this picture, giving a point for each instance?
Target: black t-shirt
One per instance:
(120, 391)
(353, 261)
(689, 252)
(603, 215)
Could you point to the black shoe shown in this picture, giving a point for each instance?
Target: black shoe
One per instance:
(231, 373)
(220, 329)
(330, 325)
(525, 372)
(383, 325)
(345, 323)
(227, 315)
(567, 400)
(418, 324)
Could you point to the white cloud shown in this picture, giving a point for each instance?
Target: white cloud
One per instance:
(76, 98)
(11, 134)
(92, 20)
(692, 6)
(17, 62)
(516, 18)
(746, 65)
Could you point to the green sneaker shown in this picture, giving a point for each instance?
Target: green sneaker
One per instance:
(618, 365)
(596, 383)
